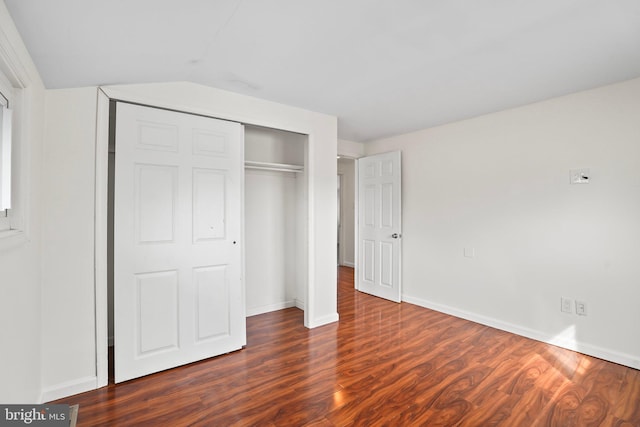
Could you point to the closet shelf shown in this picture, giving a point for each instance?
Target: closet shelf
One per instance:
(282, 167)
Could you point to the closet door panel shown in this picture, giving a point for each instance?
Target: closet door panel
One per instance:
(178, 295)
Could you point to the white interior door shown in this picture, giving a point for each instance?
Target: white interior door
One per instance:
(178, 296)
(380, 225)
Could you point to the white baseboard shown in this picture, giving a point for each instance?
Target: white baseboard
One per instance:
(324, 320)
(300, 304)
(254, 311)
(69, 388)
(348, 264)
(568, 343)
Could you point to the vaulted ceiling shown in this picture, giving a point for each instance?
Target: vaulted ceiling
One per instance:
(382, 67)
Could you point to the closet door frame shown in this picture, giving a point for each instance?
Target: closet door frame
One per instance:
(104, 96)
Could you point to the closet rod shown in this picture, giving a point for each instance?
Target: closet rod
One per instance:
(265, 168)
(6, 100)
(281, 167)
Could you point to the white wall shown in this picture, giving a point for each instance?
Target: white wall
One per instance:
(20, 254)
(273, 146)
(68, 260)
(270, 240)
(350, 149)
(499, 184)
(71, 140)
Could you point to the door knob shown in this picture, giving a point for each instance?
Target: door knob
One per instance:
(395, 235)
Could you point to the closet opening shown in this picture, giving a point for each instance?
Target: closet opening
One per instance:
(275, 211)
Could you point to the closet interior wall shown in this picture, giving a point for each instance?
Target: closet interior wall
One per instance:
(275, 219)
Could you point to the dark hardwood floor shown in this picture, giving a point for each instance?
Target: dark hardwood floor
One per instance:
(382, 364)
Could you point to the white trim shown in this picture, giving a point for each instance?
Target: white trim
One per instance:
(10, 63)
(340, 231)
(243, 243)
(356, 223)
(101, 183)
(116, 93)
(325, 320)
(68, 388)
(348, 264)
(558, 341)
(270, 307)
(309, 297)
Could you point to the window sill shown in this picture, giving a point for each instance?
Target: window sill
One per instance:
(11, 238)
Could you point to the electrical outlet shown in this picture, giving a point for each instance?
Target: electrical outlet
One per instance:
(581, 308)
(566, 305)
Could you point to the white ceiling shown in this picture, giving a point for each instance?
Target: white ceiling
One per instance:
(382, 67)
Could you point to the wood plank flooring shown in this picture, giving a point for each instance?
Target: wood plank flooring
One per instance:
(382, 364)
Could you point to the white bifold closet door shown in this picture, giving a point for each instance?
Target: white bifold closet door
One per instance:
(178, 296)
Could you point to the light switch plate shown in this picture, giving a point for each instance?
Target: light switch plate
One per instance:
(579, 176)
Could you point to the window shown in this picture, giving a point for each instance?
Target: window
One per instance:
(21, 122)
(5, 153)
(5, 162)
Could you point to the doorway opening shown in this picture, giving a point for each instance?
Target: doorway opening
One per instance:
(346, 211)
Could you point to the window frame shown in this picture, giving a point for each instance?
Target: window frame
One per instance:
(15, 81)
(6, 101)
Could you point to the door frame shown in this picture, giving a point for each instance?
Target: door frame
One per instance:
(104, 96)
(355, 212)
(342, 238)
(339, 222)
